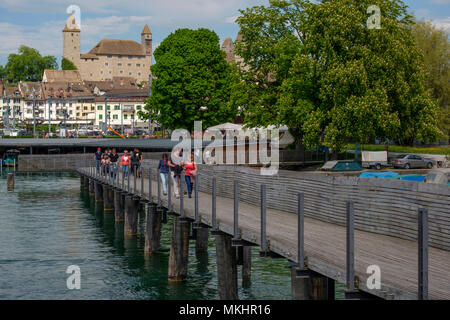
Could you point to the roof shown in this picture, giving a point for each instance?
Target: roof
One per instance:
(88, 56)
(146, 30)
(65, 89)
(11, 92)
(118, 47)
(61, 76)
(27, 89)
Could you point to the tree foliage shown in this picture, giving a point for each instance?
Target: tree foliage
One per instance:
(28, 65)
(192, 81)
(317, 68)
(434, 44)
(66, 64)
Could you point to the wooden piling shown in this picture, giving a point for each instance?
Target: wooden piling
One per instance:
(247, 266)
(179, 250)
(153, 230)
(81, 181)
(98, 192)
(301, 288)
(108, 198)
(226, 268)
(10, 181)
(91, 187)
(118, 206)
(201, 243)
(131, 216)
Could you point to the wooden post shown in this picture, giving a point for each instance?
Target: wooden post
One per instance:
(91, 187)
(179, 250)
(118, 206)
(98, 192)
(226, 268)
(10, 181)
(108, 198)
(319, 287)
(201, 244)
(82, 181)
(153, 230)
(247, 266)
(300, 286)
(86, 182)
(131, 216)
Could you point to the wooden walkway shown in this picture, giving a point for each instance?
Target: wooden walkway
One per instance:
(325, 245)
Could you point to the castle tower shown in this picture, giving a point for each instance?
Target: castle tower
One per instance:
(71, 41)
(146, 40)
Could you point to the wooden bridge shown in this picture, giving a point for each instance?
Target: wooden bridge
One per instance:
(329, 228)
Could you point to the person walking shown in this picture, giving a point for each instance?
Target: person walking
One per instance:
(191, 172)
(98, 159)
(125, 164)
(139, 155)
(163, 168)
(114, 158)
(134, 162)
(175, 162)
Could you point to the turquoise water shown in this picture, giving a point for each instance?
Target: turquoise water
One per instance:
(47, 224)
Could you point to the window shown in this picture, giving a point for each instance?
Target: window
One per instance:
(138, 64)
(116, 107)
(129, 64)
(108, 107)
(121, 71)
(100, 117)
(119, 64)
(132, 116)
(130, 73)
(115, 117)
(106, 64)
(125, 116)
(138, 107)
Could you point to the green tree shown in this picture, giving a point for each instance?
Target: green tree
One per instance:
(66, 64)
(434, 44)
(192, 81)
(317, 68)
(28, 65)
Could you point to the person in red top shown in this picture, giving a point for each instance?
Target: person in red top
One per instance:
(125, 163)
(191, 171)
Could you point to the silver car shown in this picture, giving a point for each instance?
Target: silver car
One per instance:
(412, 161)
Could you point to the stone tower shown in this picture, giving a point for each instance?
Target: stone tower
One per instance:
(146, 40)
(71, 41)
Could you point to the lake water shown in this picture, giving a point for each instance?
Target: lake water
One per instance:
(48, 224)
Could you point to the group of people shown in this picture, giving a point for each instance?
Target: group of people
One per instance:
(108, 162)
(174, 165)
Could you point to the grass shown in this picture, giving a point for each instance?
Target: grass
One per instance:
(445, 150)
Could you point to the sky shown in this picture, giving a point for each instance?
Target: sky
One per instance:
(39, 23)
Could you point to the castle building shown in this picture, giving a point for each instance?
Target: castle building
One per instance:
(110, 57)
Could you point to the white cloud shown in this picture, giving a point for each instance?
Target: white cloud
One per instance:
(231, 19)
(442, 23)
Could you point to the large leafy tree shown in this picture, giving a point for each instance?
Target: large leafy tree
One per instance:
(28, 65)
(317, 68)
(66, 64)
(434, 44)
(192, 81)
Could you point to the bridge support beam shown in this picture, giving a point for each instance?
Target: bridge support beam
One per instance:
(86, 182)
(131, 216)
(82, 181)
(179, 250)
(226, 268)
(201, 243)
(119, 206)
(153, 229)
(98, 192)
(108, 198)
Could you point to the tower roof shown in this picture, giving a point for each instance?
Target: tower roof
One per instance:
(71, 24)
(146, 30)
(118, 47)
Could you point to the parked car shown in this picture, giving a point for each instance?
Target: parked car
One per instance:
(412, 161)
